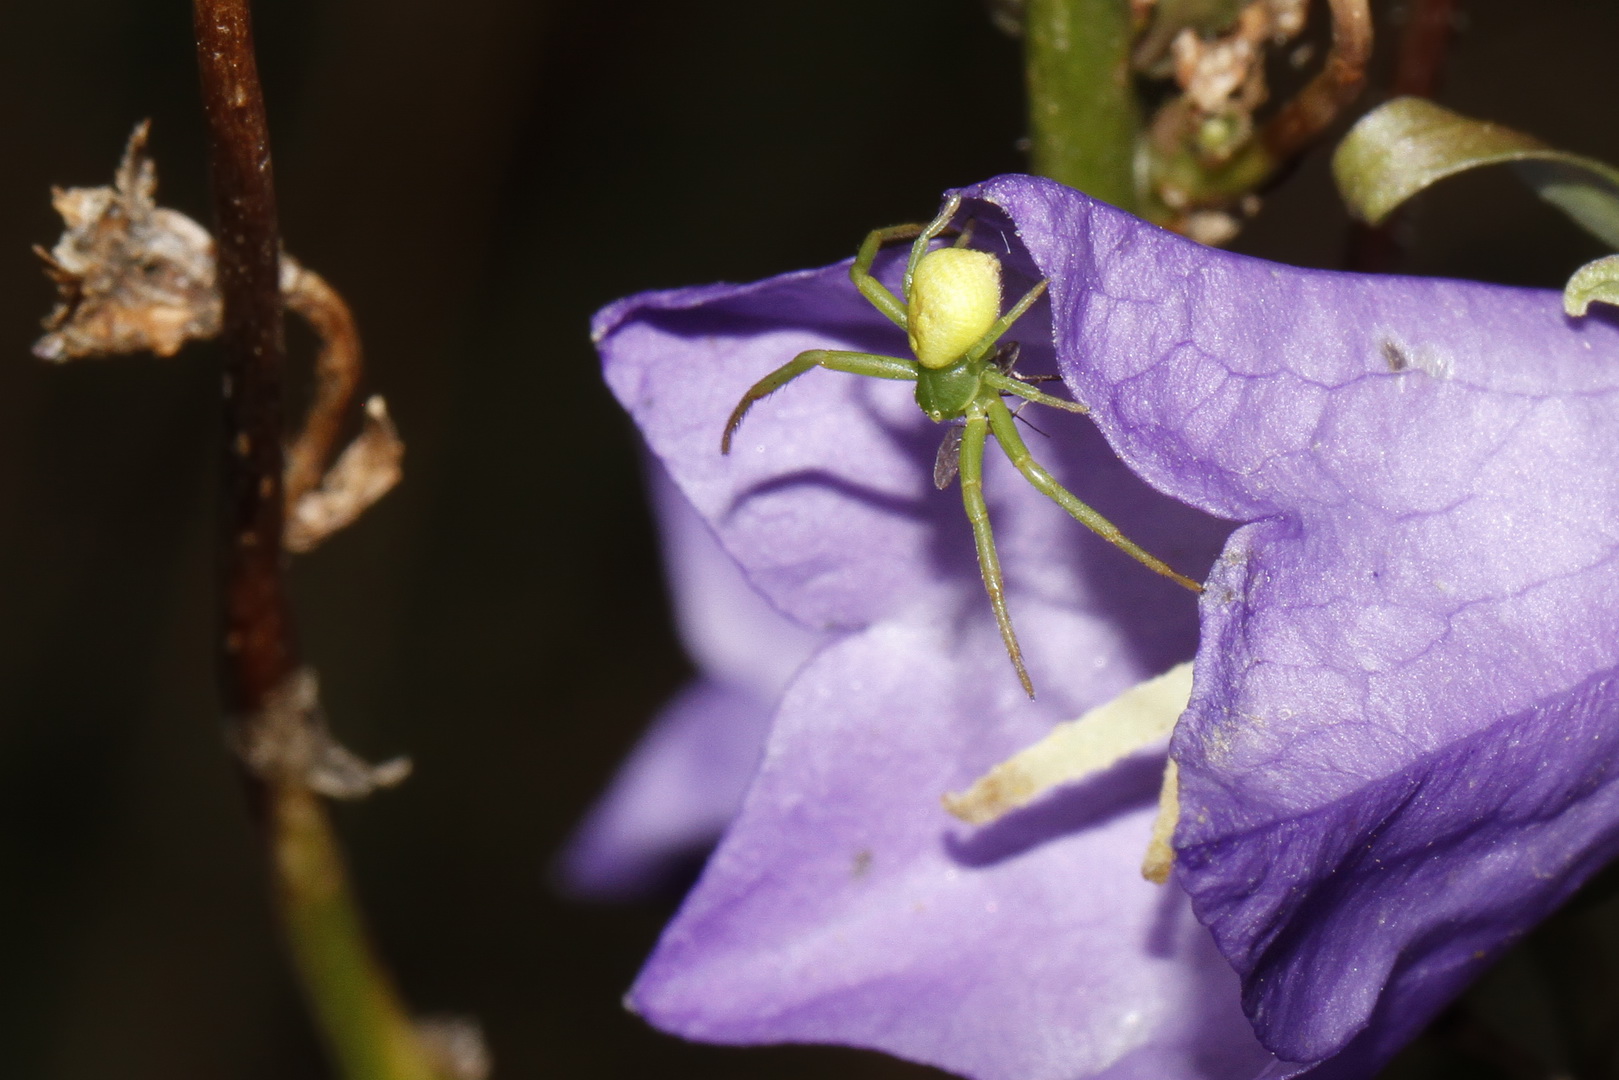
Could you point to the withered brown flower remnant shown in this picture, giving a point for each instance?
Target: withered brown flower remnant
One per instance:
(294, 745)
(362, 474)
(134, 276)
(1207, 152)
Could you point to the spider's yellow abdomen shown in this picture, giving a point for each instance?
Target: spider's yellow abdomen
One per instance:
(955, 299)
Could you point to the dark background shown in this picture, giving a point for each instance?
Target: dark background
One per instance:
(476, 177)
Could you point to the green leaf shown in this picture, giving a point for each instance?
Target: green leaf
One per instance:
(1595, 281)
(1404, 146)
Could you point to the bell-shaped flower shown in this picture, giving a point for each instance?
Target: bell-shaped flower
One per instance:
(1403, 735)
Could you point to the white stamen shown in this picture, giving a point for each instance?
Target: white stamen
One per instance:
(1160, 852)
(1143, 715)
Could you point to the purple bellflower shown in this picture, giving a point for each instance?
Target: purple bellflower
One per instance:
(1402, 740)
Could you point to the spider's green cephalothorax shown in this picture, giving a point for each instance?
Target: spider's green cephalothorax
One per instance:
(947, 393)
(951, 313)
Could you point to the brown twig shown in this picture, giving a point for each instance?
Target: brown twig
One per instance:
(1337, 84)
(259, 651)
(277, 728)
(1430, 26)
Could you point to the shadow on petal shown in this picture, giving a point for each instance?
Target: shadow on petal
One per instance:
(881, 500)
(1075, 808)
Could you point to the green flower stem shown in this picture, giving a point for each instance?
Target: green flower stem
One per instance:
(1083, 112)
(354, 1002)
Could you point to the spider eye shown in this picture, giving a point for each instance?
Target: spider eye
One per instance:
(955, 298)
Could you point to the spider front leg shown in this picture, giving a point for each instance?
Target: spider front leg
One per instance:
(1000, 421)
(855, 363)
(922, 235)
(989, 564)
(872, 289)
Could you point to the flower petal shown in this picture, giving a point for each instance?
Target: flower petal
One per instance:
(683, 783)
(1404, 739)
(843, 906)
(1038, 950)
(673, 796)
(830, 451)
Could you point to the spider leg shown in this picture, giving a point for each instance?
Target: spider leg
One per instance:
(1011, 384)
(1000, 421)
(982, 346)
(872, 289)
(1030, 424)
(875, 291)
(855, 363)
(989, 564)
(932, 229)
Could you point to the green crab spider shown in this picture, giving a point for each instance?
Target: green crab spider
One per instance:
(951, 312)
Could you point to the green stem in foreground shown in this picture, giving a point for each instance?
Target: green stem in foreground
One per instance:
(1083, 114)
(366, 1025)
